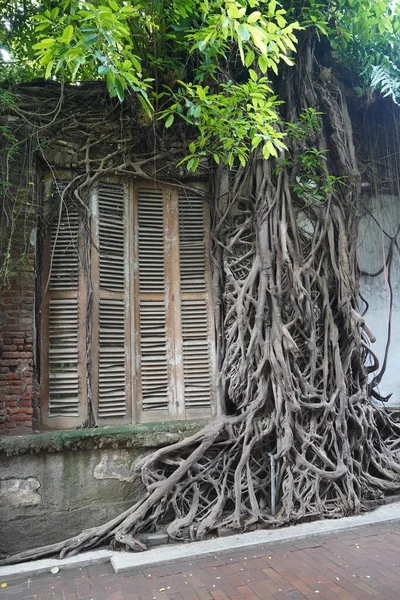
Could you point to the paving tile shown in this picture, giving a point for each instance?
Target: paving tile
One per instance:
(362, 564)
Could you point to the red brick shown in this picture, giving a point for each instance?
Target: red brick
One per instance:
(20, 417)
(11, 355)
(20, 410)
(26, 402)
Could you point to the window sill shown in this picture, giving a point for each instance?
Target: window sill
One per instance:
(152, 435)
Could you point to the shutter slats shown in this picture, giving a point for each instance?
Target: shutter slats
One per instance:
(64, 251)
(112, 358)
(152, 313)
(194, 317)
(154, 362)
(63, 358)
(191, 238)
(112, 384)
(151, 241)
(196, 354)
(111, 200)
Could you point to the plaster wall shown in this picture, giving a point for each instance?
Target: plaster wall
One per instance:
(45, 498)
(380, 218)
(54, 485)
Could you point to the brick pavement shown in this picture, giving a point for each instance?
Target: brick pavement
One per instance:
(360, 564)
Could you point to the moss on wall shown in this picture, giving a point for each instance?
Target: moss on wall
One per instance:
(154, 435)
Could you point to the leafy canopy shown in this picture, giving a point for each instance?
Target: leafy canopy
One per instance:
(207, 62)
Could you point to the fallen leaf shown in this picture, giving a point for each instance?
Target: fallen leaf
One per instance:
(3, 585)
(54, 570)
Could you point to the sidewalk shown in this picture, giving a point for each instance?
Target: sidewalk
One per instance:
(360, 564)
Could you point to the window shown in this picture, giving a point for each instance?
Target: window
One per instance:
(127, 322)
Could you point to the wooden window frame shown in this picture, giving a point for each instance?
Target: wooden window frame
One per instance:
(47, 421)
(132, 296)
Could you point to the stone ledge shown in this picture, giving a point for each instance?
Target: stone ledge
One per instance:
(153, 435)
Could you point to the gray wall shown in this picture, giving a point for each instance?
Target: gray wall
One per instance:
(47, 497)
(378, 215)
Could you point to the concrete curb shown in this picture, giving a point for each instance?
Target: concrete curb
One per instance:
(45, 565)
(168, 554)
(130, 561)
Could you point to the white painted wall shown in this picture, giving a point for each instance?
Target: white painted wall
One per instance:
(377, 213)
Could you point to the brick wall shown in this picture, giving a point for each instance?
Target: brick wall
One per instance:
(16, 350)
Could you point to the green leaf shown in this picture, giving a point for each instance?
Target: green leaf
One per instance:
(103, 70)
(249, 58)
(286, 60)
(46, 43)
(263, 63)
(271, 8)
(233, 11)
(169, 121)
(258, 38)
(119, 86)
(243, 32)
(49, 68)
(192, 147)
(253, 75)
(201, 93)
(113, 5)
(111, 84)
(254, 16)
(67, 34)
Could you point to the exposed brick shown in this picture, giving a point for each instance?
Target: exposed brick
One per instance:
(20, 410)
(19, 417)
(11, 355)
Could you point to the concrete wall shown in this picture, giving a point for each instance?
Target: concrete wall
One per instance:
(47, 497)
(54, 485)
(379, 215)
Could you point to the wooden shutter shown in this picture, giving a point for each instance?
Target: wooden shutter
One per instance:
(111, 388)
(196, 317)
(63, 390)
(153, 340)
(174, 324)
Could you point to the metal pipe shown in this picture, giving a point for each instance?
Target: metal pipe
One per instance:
(273, 484)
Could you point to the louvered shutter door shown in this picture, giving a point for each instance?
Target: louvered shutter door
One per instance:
(195, 306)
(153, 342)
(112, 387)
(63, 391)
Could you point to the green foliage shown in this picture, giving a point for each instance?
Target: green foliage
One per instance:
(311, 180)
(386, 78)
(231, 123)
(206, 62)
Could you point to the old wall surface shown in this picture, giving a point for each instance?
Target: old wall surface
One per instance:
(380, 220)
(17, 339)
(54, 485)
